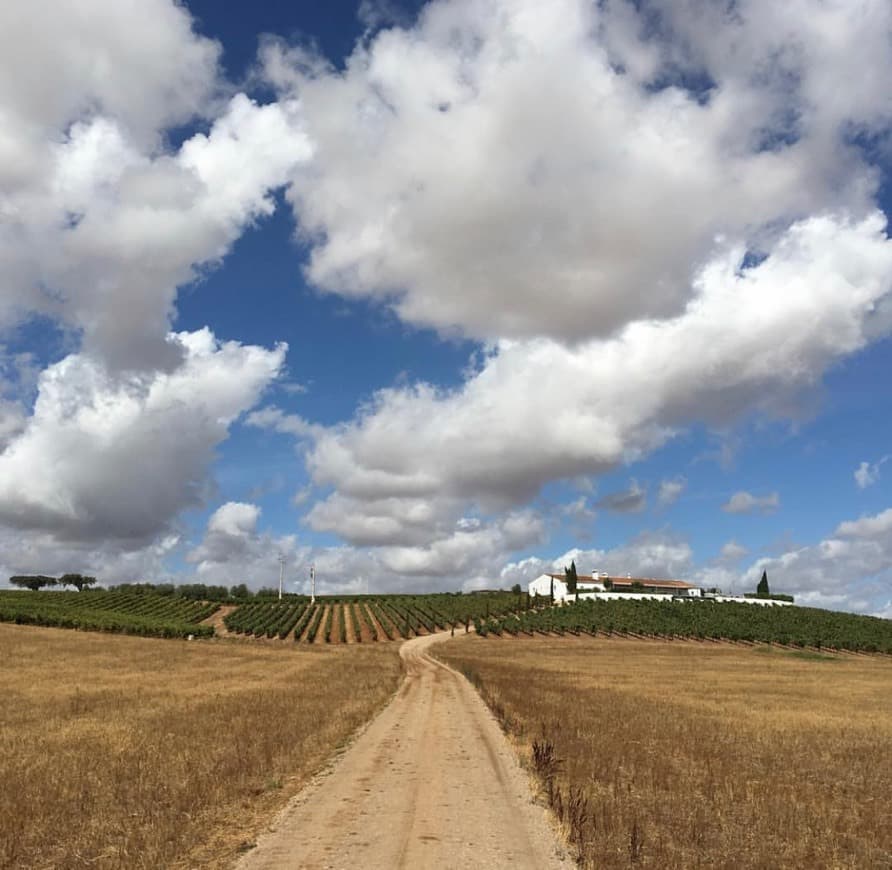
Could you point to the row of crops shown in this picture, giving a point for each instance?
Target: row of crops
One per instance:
(364, 619)
(705, 620)
(345, 619)
(122, 612)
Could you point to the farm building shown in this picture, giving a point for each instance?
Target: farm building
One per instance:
(602, 585)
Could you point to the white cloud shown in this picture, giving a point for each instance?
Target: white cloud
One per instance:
(233, 551)
(650, 554)
(106, 235)
(526, 179)
(670, 490)
(625, 501)
(105, 458)
(747, 503)
(137, 60)
(850, 570)
(277, 420)
(538, 411)
(732, 551)
(868, 473)
(509, 190)
(578, 510)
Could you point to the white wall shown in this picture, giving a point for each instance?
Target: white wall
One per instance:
(764, 602)
(541, 586)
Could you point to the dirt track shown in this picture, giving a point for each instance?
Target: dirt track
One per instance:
(430, 783)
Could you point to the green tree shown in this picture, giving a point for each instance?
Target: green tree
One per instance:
(570, 576)
(762, 589)
(551, 590)
(516, 589)
(79, 581)
(34, 582)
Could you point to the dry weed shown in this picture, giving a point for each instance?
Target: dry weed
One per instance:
(126, 752)
(656, 754)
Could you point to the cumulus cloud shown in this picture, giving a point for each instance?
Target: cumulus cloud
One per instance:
(868, 473)
(537, 410)
(509, 190)
(101, 221)
(110, 561)
(650, 554)
(138, 60)
(670, 490)
(105, 236)
(104, 458)
(746, 503)
(235, 550)
(851, 569)
(732, 551)
(625, 501)
(534, 148)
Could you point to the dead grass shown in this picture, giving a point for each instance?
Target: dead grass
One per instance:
(128, 752)
(699, 755)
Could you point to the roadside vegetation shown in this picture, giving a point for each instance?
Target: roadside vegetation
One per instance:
(679, 755)
(128, 752)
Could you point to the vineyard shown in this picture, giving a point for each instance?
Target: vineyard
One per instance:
(793, 626)
(121, 612)
(367, 619)
(330, 620)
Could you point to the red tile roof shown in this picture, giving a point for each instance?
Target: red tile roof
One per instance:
(628, 581)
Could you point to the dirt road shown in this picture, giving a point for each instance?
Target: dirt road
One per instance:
(431, 782)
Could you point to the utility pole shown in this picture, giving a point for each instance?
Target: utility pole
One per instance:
(312, 584)
(281, 573)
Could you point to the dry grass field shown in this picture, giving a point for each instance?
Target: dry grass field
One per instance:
(686, 755)
(128, 752)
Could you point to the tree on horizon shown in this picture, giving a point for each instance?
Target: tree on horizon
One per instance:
(762, 589)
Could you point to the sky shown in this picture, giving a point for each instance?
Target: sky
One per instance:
(437, 296)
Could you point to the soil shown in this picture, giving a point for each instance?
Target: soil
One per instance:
(347, 616)
(432, 782)
(360, 616)
(373, 620)
(306, 628)
(217, 617)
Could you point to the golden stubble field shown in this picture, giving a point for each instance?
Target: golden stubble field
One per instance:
(127, 752)
(687, 755)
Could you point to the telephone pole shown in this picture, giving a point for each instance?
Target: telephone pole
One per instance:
(281, 573)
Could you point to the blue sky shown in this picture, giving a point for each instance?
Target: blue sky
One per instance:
(435, 296)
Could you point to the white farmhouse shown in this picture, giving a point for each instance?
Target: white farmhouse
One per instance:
(603, 586)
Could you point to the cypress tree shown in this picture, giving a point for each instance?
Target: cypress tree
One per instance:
(762, 589)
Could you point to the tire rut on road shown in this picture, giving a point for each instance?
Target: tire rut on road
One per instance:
(431, 782)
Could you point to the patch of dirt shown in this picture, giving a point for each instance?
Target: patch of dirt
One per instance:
(454, 793)
(216, 620)
(373, 620)
(337, 613)
(362, 617)
(347, 616)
